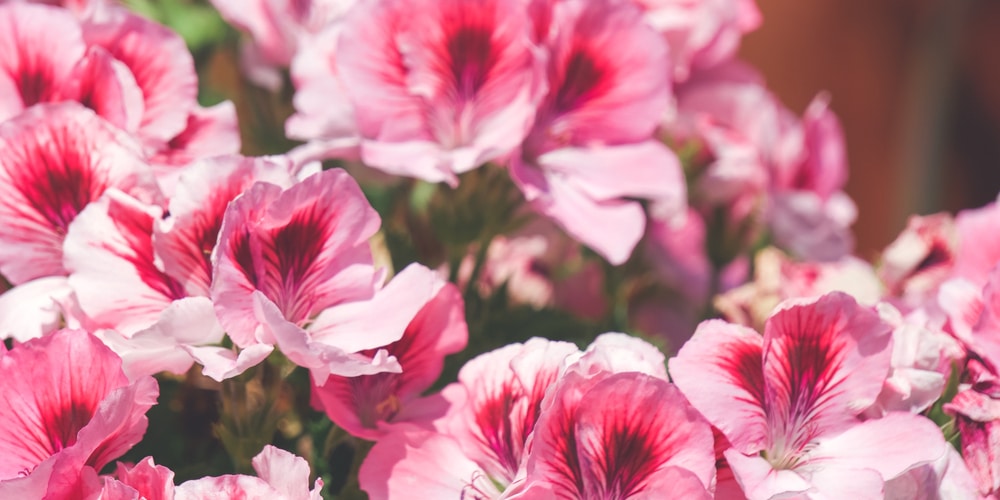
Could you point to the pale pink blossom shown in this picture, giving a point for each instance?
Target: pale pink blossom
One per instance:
(789, 401)
(439, 87)
(278, 30)
(369, 406)
(591, 146)
(280, 474)
(701, 33)
(209, 132)
(70, 410)
(978, 243)
(57, 159)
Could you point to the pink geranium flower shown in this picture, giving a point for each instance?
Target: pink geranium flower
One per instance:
(478, 449)
(293, 268)
(789, 401)
(368, 406)
(57, 159)
(70, 409)
(591, 147)
(439, 87)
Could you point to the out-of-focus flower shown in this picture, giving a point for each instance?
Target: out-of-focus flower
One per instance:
(278, 30)
(591, 149)
(978, 243)
(369, 406)
(777, 277)
(69, 411)
(977, 413)
(789, 401)
(701, 33)
(916, 263)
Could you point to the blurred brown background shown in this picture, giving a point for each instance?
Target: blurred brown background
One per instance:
(916, 84)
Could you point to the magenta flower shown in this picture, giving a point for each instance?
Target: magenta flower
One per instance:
(789, 401)
(69, 409)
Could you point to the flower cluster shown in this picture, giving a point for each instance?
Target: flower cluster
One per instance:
(548, 170)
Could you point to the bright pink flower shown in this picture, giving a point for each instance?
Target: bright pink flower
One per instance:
(480, 446)
(591, 146)
(973, 314)
(977, 413)
(368, 406)
(916, 263)
(624, 435)
(280, 475)
(299, 258)
(789, 401)
(278, 30)
(70, 408)
(439, 87)
(701, 33)
(57, 159)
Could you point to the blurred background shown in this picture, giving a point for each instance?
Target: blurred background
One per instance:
(916, 84)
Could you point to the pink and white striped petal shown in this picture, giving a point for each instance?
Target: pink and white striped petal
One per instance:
(57, 159)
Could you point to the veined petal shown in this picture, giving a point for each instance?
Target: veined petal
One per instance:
(57, 159)
(105, 85)
(305, 249)
(720, 371)
(109, 254)
(211, 131)
(39, 46)
(825, 361)
(618, 437)
(608, 76)
(185, 241)
(67, 392)
(503, 402)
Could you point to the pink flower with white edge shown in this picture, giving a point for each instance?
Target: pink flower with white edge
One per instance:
(479, 447)
(57, 159)
(370, 406)
(293, 268)
(591, 146)
(439, 87)
(280, 474)
(789, 401)
(119, 286)
(70, 410)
